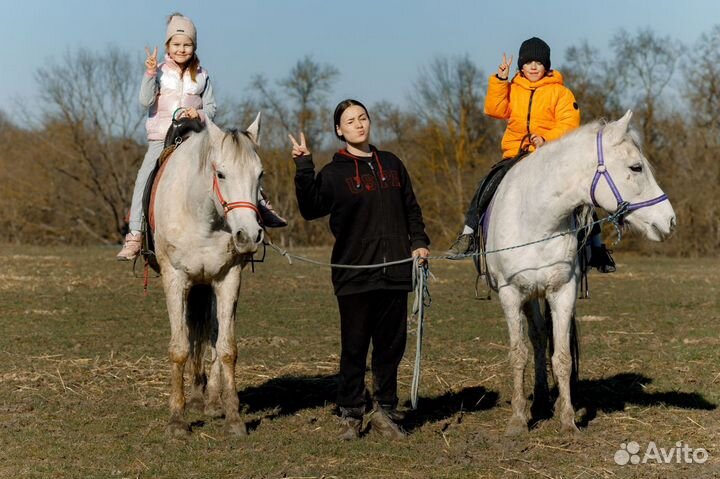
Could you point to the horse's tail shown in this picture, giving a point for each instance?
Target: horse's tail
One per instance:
(201, 319)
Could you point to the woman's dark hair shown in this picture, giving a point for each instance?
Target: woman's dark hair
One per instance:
(340, 108)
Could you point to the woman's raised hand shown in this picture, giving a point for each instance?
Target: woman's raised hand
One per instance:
(299, 149)
(151, 60)
(504, 68)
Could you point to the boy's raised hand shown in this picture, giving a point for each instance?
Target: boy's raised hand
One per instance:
(151, 60)
(504, 68)
(299, 149)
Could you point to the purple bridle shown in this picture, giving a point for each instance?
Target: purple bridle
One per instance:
(623, 207)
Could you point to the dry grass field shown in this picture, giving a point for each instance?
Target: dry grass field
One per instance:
(84, 377)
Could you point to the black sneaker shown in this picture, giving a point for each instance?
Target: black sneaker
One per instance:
(270, 217)
(464, 244)
(600, 258)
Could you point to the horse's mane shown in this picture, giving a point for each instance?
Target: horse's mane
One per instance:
(235, 145)
(591, 129)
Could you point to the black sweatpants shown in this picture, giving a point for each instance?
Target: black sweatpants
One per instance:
(380, 316)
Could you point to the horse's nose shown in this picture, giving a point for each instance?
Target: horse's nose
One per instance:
(672, 225)
(260, 235)
(244, 242)
(242, 237)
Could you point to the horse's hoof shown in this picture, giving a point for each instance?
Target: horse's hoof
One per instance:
(214, 411)
(195, 403)
(516, 426)
(178, 429)
(581, 415)
(236, 428)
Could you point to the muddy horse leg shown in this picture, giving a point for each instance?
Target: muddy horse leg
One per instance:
(176, 293)
(562, 305)
(511, 303)
(226, 292)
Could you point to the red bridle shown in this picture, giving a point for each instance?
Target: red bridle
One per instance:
(228, 207)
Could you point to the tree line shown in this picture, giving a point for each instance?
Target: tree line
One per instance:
(67, 178)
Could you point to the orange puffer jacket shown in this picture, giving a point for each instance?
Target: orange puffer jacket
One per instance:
(545, 107)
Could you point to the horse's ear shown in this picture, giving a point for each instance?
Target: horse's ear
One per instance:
(253, 130)
(216, 133)
(617, 129)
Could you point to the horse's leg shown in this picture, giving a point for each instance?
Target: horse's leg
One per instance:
(226, 292)
(213, 407)
(539, 340)
(512, 306)
(176, 287)
(562, 305)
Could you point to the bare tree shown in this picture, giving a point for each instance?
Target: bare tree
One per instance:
(449, 102)
(645, 65)
(593, 82)
(303, 106)
(702, 81)
(92, 123)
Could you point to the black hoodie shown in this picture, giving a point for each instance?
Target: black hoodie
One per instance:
(374, 217)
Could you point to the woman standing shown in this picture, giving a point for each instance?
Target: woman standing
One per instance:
(374, 218)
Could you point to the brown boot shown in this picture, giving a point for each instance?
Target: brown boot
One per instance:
(381, 423)
(349, 428)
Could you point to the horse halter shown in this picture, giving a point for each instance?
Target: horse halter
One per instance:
(623, 207)
(229, 206)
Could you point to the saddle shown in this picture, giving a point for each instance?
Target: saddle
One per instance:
(483, 197)
(178, 132)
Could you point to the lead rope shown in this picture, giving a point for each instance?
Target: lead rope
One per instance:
(421, 273)
(422, 300)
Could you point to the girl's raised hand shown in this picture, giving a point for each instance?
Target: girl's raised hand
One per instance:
(151, 60)
(299, 149)
(504, 68)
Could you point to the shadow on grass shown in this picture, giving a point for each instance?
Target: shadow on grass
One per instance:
(614, 393)
(286, 395)
(438, 408)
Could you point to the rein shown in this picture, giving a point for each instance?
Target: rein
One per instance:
(623, 207)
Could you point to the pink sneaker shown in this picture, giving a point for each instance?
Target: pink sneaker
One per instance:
(131, 248)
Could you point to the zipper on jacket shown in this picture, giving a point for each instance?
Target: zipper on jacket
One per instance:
(382, 208)
(532, 92)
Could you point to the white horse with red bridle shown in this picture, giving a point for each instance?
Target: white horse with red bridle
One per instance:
(207, 227)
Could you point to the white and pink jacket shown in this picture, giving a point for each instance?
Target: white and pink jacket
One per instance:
(167, 91)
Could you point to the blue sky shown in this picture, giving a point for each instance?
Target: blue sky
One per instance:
(377, 45)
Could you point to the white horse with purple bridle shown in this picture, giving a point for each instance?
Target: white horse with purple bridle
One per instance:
(206, 229)
(595, 165)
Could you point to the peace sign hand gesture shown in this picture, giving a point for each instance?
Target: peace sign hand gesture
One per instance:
(299, 149)
(151, 60)
(504, 68)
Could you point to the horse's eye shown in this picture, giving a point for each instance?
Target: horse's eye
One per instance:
(636, 168)
(220, 175)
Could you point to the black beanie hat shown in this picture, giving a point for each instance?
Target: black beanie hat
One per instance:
(534, 49)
